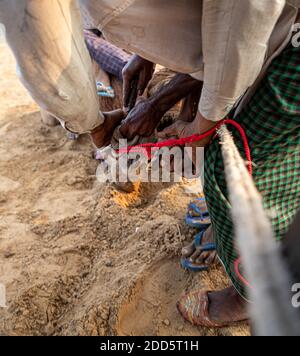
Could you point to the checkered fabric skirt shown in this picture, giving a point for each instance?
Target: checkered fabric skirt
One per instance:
(272, 124)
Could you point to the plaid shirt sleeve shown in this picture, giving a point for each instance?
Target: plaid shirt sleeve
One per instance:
(109, 57)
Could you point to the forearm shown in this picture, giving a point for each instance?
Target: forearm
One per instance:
(53, 62)
(235, 41)
(177, 89)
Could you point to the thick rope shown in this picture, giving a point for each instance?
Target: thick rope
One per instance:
(269, 277)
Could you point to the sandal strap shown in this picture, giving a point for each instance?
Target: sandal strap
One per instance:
(200, 310)
(205, 247)
(196, 311)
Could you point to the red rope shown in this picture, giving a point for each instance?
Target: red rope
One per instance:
(238, 273)
(195, 138)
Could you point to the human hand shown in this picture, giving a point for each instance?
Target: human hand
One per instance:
(182, 129)
(142, 120)
(140, 68)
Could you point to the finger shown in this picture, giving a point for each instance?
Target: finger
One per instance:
(142, 83)
(126, 88)
(203, 256)
(195, 255)
(115, 115)
(140, 100)
(126, 110)
(211, 258)
(188, 250)
(169, 131)
(120, 113)
(124, 130)
(127, 131)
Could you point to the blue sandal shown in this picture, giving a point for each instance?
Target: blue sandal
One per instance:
(104, 91)
(191, 266)
(200, 218)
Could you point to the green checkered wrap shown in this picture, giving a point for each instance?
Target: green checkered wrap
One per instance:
(272, 124)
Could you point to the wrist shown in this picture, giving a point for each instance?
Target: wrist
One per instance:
(159, 105)
(204, 125)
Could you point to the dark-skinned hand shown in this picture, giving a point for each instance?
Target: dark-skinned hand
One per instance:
(101, 135)
(142, 120)
(182, 129)
(140, 68)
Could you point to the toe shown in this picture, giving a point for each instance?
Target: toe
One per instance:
(202, 258)
(188, 250)
(195, 255)
(211, 258)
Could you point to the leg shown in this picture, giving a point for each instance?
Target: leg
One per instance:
(271, 121)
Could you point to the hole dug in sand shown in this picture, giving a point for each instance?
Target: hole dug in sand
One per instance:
(151, 308)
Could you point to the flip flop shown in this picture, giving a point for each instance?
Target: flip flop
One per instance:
(194, 308)
(199, 218)
(104, 91)
(192, 266)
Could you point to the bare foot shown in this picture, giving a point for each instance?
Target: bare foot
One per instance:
(102, 135)
(216, 309)
(198, 256)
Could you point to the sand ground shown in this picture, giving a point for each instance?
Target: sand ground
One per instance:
(76, 257)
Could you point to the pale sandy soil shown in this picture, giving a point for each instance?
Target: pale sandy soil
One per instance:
(75, 260)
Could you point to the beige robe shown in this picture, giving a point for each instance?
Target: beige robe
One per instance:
(226, 43)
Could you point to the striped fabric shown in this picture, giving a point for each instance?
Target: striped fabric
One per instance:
(109, 57)
(272, 124)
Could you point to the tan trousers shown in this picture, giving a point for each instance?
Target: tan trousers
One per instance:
(53, 63)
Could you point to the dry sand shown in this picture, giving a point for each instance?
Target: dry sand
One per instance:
(75, 260)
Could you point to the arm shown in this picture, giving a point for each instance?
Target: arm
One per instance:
(174, 91)
(235, 40)
(53, 62)
(145, 117)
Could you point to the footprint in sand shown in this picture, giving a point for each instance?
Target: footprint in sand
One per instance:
(151, 309)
